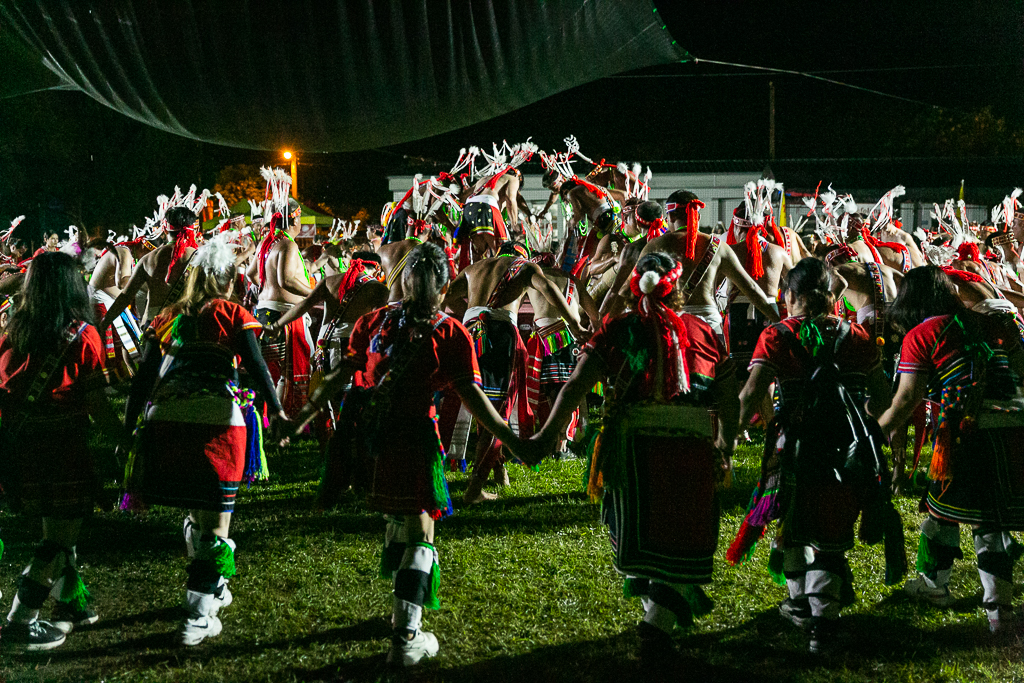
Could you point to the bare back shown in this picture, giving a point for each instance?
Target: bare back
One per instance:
(542, 308)
(153, 267)
(283, 270)
(393, 258)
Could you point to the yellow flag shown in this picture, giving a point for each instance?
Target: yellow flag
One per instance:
(782, 211)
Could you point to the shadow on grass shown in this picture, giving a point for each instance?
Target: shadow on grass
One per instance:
(164, 647)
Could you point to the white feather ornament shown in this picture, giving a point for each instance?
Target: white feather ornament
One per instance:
(216, 255)
(649, 281)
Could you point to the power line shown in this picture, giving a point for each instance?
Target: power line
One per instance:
(882, 69)
(816, 77)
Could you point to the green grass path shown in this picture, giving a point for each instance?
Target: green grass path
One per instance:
(528, 594)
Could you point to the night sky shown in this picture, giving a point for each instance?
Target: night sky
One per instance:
(64, 158)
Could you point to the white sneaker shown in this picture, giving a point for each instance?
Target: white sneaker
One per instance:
(409, 652)
(920, 590)
(198, 629)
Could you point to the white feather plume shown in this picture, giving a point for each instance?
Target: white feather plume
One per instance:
(216, 255)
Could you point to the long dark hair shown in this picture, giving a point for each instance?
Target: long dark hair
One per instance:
(924, 292)
(53, 297)
(809, 282)
(425, 275)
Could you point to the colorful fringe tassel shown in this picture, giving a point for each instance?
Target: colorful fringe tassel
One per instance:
(255, 457)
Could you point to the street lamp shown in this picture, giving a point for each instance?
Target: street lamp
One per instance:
(294, 158)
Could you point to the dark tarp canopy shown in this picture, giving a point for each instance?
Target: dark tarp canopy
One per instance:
(320, 76)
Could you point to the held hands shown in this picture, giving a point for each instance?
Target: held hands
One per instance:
(281, 428)
(724, 452)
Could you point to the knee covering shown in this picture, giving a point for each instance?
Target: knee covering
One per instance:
(32, 594)
(938, 548)
(993, 557)
(419, 577)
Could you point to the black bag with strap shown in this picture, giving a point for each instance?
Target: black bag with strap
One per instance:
(829, 434)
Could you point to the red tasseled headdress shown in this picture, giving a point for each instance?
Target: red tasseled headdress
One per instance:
(962, 275)
(655, 228)
(754, 264)
(184, 239)
(844, 253)
(968, 251)
(666, 324)
(267, 243)
(356, 272)
(873, 242)
(693, 208)
(595, 189)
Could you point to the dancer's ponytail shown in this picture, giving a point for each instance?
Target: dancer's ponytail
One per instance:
(425, 275)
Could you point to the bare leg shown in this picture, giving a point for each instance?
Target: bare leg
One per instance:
(216, 523)
(481, 468)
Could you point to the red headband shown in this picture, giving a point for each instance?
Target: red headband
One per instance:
(664, 322)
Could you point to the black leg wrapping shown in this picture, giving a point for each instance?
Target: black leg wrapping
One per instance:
(203, 576)
(32, 594)
(669, 598)
(412, 585)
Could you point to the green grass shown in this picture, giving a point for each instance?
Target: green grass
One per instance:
(528, 593)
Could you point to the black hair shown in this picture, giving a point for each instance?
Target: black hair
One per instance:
(682, 198)
(54, 297)
(924, 292)
(180, 217)
(508, 248)
(366, 256)
(425, 274)
(549, 178)
(661, 263)
(649, 211)
(809, 281)
(741, 211)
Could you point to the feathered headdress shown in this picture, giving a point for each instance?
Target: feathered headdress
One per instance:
(6, 235)
(216, 255)
(757, 199)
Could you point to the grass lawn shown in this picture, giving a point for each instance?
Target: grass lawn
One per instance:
(528, 593)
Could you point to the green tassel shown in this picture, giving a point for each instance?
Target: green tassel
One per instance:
(699, 602)
(74, 591)
(775, 565)
(1, 548)
(811, 337)
(431, 600)
(635, 587)
(926, 561)
(222, 557)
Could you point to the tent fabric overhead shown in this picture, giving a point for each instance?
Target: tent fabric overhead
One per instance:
(340, 76)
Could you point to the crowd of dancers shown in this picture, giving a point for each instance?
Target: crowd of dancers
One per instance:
(647, 344)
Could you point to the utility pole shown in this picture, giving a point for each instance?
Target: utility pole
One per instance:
(771, 120)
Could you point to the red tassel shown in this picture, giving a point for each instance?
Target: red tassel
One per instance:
(184, 240)
(968, 251)
(780, 239)
(693, 208)
(755, 265)
(742, 547)
(962, 275)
